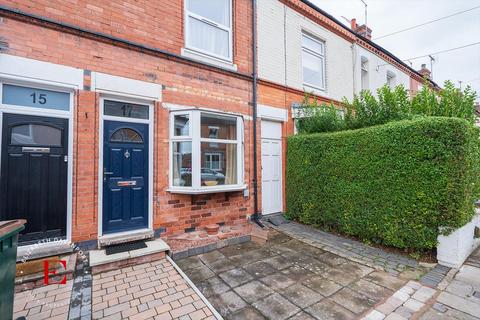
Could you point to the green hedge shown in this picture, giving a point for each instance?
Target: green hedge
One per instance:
(394, 184)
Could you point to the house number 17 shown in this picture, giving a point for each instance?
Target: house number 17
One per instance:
(40, 98)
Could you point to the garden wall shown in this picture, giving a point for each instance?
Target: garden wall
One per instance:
(393, 184)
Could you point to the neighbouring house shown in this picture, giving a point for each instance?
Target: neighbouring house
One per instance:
(136, 120)
(301, 48)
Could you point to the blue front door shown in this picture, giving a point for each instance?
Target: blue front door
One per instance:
(125, 176)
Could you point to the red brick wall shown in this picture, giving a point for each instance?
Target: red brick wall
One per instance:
(183, 84)
(156, 23)
(281, 97)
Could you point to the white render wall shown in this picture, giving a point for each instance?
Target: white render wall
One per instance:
(377, 71)
(280, 51)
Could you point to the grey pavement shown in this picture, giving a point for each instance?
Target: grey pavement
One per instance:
(285, 278)
(460, 297)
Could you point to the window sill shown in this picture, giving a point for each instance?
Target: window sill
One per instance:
(200, 57)
(204, 190)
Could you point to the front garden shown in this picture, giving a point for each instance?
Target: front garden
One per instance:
(388, 169)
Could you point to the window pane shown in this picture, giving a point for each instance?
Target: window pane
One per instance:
(182, 125)
(311, 44)
(312, 70)
(122, 109)
(182, 164)
(215, 10)
(225, 158)
(218, 127)
(36, 135)
(208, 38)
(36, 98)
(126, 135)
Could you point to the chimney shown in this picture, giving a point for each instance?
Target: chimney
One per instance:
(425, 72)
(353, 24)
(362, 30)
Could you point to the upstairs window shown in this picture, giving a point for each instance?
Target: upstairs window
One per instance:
(313, 62)
(391, 79)
(364, 70)
(208, 27)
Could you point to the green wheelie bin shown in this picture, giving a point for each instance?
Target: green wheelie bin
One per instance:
(8, 259)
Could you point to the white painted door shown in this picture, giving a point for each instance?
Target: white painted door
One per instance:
(271, 167)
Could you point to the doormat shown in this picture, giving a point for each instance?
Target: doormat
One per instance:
(124, 247)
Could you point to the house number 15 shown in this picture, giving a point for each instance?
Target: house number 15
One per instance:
(40, 98)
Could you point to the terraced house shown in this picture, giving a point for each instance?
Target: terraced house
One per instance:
(126, 120)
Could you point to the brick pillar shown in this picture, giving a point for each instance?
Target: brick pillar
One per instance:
(85, 181)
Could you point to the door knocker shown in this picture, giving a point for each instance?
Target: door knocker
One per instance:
(127, 154)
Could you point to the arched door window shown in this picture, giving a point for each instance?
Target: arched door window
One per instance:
(126, 135)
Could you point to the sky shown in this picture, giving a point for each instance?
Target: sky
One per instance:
(387, 16)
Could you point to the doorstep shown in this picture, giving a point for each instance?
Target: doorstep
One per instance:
(122, 237)
(43, 250)
(101, 262)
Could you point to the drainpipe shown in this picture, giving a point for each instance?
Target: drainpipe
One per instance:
(256, 214)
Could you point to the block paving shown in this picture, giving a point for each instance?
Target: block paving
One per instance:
(47, 302)
(154, 290)
(149, 290)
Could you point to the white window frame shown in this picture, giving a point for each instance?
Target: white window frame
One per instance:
(364, 64)
(200, 18)
(210, 155)
(317, 55)
(391, 79)
(195, 138)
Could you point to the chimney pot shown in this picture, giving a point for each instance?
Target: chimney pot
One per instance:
(424, 66)
(353, 24)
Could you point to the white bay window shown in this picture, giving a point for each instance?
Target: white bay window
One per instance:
(208, 27)
(206, 152)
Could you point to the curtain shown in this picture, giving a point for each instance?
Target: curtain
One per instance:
(231, 164)
(208, 38)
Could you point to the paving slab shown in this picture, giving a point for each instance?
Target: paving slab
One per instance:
(259, 269)
(253, 291)
(302, 315)
(329, 310)
(227, 303)
(212, 286)
(353, 301)
(235, 277)
(322, 285)
(373, 291)
(248, 313)
(301, 295)
(276, 307)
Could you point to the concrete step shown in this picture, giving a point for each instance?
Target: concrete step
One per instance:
(122, 237)
(101, 262)
(43, 250)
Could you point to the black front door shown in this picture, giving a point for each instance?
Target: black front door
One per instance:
(125, 176)
(34, 175)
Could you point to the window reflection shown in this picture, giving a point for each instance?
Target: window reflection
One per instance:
(36, 135)
(182, 164)
(218, 127)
